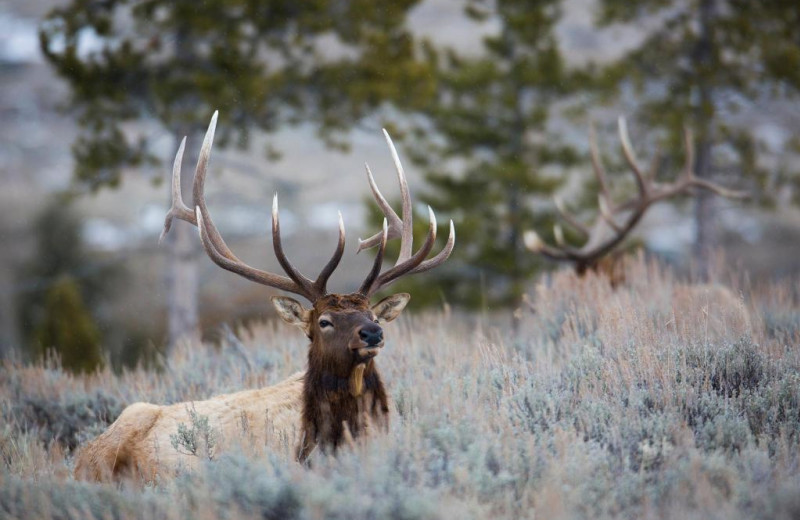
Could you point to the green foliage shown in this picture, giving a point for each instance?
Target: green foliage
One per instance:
(262, 64)
(68, 329)
(488, 149)
(58, 311)
(703, 63)
(199, 439)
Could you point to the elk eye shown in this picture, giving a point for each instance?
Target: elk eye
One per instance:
(325, 323)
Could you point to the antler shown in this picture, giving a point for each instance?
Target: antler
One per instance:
(215, 246)
(394, 227)
(599, 241)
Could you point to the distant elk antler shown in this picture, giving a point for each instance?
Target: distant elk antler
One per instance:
(615, 221)
(340, 396)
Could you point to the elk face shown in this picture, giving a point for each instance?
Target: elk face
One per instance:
(344, 330)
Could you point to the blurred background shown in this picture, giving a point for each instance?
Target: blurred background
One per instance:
(490, 104)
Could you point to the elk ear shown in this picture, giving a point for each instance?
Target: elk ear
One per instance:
(390, 307)
(291, 311)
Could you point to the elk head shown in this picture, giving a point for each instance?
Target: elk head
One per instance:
(345, 331)
(615, 221)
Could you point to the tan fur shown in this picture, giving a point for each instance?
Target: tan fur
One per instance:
(138, 444)
(357, 380)
(711, 308)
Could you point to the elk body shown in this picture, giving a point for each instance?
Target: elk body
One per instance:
(341, 394)
(716, 306)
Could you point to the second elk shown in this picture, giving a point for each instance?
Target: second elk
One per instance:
(694, 306)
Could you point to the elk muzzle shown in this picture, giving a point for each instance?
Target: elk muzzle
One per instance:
(370, 340)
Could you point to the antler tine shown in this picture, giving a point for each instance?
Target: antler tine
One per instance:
(597, 164)
(535, 244)
(395, 224)
(240, 268)
(320, 285)
(630, 156)
(688, 179)
(369, 281)
(443, 255)
(407, 234)
(411, 263)
(701, 183)
(571, 220)
(178, 208)
(605, 213)
(277, 246)
(558, 233)
(198, 190)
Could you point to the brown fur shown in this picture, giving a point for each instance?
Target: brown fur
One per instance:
(343, 392)
(340, 396)
(611, 266)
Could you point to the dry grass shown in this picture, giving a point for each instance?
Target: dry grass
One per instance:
(634, 403)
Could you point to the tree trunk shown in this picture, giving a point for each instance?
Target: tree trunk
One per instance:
(9, 330)
(182, 286)
(182, 271)
(705, 232)
(182, 274)
(704, 216)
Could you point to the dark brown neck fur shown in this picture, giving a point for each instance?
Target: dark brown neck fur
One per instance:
(333, 411)
(328, 405)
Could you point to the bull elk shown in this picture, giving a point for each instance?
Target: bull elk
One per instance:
(713, 307)
(341, 394)
(615, 221)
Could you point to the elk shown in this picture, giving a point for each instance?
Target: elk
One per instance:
(691, 304)
(615, 221)
(340, 396)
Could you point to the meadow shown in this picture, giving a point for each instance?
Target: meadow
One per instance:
(655, 399)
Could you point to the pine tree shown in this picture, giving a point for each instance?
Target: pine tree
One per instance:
(702, 62)
(262, 64)
(67, 328)
(66, 288)
(492, 154)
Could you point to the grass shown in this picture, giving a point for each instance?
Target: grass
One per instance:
(633, 403)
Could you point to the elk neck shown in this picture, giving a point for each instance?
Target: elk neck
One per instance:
(336, 403)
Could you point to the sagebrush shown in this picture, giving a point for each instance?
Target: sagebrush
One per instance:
(605, 404)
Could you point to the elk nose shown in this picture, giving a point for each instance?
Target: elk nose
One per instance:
(371, 334)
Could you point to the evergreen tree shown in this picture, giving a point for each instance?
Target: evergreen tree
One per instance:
(491, 154)
(701, 63)
(262, 64)
(67, 287)
(68, 329)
